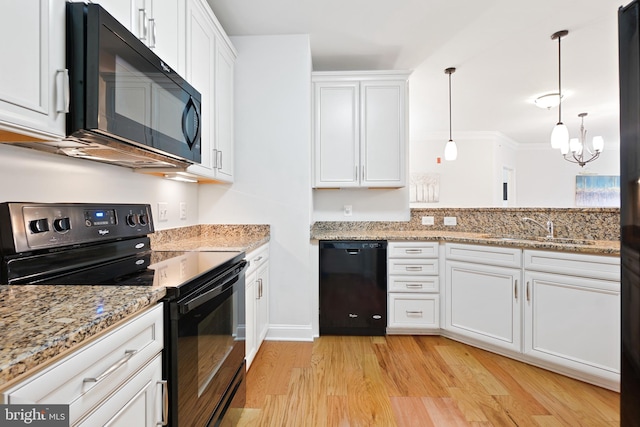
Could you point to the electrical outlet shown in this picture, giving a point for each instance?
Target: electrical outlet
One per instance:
(183, 210)
(348, 210)
(450, 220)
(428, 220)
(163, 211)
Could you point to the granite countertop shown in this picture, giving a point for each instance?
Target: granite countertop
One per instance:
(41, 322)
(601, 247)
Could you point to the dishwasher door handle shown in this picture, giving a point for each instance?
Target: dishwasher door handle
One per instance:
(353, 251)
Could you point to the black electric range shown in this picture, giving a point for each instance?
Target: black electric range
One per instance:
(109, 244)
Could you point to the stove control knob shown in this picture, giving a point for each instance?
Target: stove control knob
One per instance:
(39, 225)
(143, 219)
(61, 225)
(131, 220)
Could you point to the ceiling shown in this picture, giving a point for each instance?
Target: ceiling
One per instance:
(502, 50)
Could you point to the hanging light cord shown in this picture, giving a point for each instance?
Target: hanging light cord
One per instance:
(559, 81)
(450, 139)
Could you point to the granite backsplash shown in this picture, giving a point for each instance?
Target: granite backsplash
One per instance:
(576, 223)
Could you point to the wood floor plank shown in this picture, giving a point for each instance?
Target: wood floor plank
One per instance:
(382, 381)
(443, 411)
(410, 412)
(490, 362)
(409, 371)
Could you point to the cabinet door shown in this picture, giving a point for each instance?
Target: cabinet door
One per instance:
(138, 403)
(166, 31)
(483, 303)
(33, 78)
(572, 321)
(251, 346)
(224, 143)
(337, 134)
(200, 73)
(262, 309)
(383, 133)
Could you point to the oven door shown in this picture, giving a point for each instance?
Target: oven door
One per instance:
(205, 351)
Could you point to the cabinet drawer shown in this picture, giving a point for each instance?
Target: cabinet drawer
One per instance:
(115, 356)
(413, 284)
(257, 257)
(414, 311)
(412, 250)
(492, 255)
(419, 267)
(580, 265)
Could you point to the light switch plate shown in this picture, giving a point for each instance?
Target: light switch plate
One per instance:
(163, 211)
(183, 210)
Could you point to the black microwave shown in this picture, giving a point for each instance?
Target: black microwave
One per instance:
(123, 95)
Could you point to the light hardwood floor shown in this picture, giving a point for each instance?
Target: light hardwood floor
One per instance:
(412, 381)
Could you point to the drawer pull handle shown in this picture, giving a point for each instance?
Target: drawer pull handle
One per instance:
(413, 251)
(128, 354)
(414, 313)
(414, 285)
(165, 403)
(258, 259)
(413, 268)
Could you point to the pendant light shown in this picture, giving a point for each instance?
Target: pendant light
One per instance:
(560, 133)
(450, 149)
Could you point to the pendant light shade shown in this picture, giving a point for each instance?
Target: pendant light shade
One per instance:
(450, 149)
(560, 136)
(560, 133)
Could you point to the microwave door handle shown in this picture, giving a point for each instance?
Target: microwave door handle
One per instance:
(185, 117)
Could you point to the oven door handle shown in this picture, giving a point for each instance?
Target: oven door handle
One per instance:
(227, 282)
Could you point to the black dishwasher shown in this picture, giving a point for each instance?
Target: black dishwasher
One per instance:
(353, 287)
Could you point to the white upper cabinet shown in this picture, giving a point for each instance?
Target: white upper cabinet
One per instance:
(33, 78)
(159, 24)
(360, 129)
(210, 60)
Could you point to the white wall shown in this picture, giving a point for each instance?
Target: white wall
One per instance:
(367, 204)
(474, 179)
(545, 179)
(273, 171)
(32, 176)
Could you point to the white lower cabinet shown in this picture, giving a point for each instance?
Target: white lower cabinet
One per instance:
(483, 303)
(564, 315)
(257, 301)
(412, 288)
(572, 321)
(135, 403)
(115, 380)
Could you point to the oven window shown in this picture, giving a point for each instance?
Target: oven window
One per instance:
(210, 349)
(216, 337)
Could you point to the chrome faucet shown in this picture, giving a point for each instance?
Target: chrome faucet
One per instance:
(548, 227)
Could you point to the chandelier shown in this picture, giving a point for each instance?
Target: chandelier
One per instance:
(574, 150)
